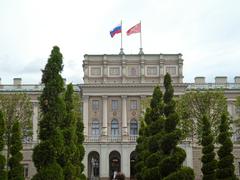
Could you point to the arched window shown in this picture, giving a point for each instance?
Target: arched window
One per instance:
(95, 128)
(93, 165)
(133, 127)
(115, 127)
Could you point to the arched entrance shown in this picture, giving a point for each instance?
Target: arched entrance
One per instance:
(93, 165)
(132, 165)
(114, 163)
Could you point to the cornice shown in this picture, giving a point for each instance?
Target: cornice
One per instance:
(118, 85)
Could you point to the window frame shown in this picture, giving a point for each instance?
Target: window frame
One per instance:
(95, 128)
(115, 128)
(95, 107)
(133, 127)
(115, 104)
(132, 106)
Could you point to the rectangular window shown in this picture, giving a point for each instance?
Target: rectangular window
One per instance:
(133, 104)
(95, 105)
(171, 70)
(114, 105)
(96, 71)
(25, 170)
(114, 71)
(151, 71)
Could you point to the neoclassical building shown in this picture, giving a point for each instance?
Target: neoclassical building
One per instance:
(113, 89)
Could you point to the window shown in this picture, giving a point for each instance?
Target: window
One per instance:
(115, 127)
(25, 170)
(152, 71)
(114, 71)
(95, 71)
(95, 105)
(133, 104)
(114, 105)
(171, 70)
(95, 128)
(133, 127)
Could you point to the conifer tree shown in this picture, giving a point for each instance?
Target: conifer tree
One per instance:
(3, 173)
(79, 153)
(209, 163)
(68, 128)
(147, 149)
(225, 166)
(15, 167)
(47, 153)
(170, 164)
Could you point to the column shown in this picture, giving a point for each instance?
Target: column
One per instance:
(142, 72)
(35, 121)
(124, 116)
(105, 118)
(85, 114)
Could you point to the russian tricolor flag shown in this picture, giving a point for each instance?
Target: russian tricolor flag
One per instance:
(116, 30)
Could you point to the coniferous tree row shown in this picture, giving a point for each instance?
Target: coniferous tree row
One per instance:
(47, 153)
(209, 163)
(225, 166)
(147, 149)
(3, 173)
(14, 162)
(170, 164)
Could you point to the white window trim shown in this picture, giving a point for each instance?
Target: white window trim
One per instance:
(120, 70)
(90, 75)
(165, 70)
(146, 67)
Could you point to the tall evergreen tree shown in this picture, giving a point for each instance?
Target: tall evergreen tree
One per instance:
(15, 167)
(209, 164)
(147, 149)
(48, 151)
(170, 164)
(3, 173)
(79, 153)
(68, 128)
(225, 166)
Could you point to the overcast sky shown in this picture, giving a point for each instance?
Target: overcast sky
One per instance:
(206, 32)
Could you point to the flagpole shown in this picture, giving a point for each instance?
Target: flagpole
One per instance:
(121, 49)
(141, 49)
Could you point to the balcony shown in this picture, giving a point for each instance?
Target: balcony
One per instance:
(111, 139)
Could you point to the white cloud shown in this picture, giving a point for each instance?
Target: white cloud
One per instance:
(205, 32)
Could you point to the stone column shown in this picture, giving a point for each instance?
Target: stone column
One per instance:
(124, 116)
(161, 68)
(35, 121)
(142, 72)
(85, 114)
(124, 73)
(105, 118)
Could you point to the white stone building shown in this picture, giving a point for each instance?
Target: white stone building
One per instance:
(113, 89)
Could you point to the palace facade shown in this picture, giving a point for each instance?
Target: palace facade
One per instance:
(113, 89)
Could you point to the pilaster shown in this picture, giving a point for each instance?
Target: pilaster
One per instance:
(85, 114)
(105, 118)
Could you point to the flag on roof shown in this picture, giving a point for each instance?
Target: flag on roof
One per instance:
(116, 30)
(134, 29)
